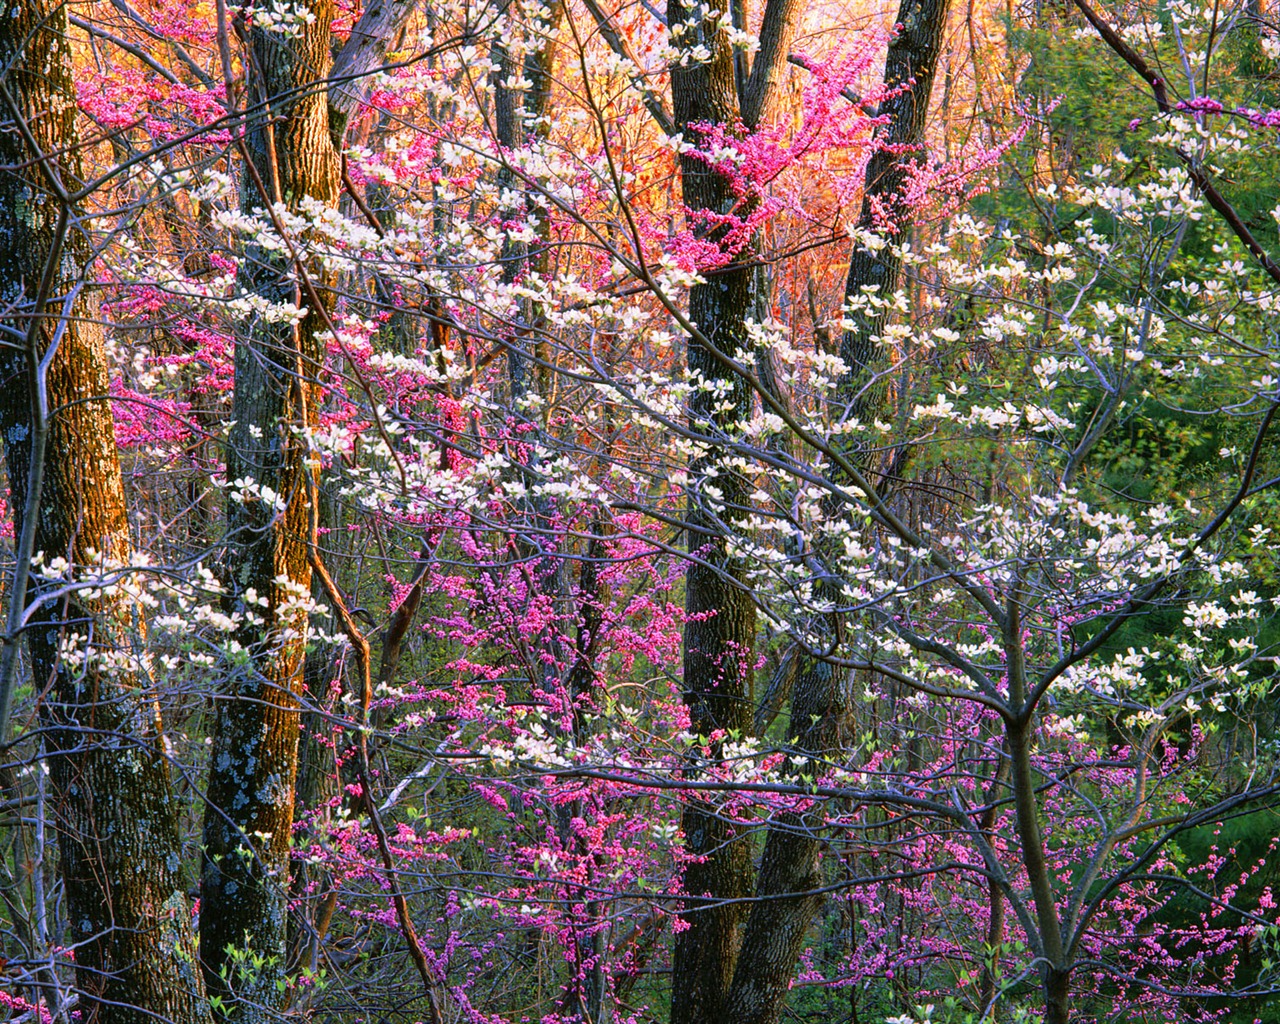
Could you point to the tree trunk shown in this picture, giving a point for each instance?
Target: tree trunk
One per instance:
(912, 57)
(519, 121)
(776, 929)
(1055, 972)
(249, 820)
(1057, 996)
(719, 638)
(363, 55)
(116, 814)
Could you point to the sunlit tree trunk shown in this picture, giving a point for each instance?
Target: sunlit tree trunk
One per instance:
(252, 772)
(113, 804)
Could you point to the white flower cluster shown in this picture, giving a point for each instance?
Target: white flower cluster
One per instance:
(280, 16)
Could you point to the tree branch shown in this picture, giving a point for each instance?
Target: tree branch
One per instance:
(1202, 181)
(619, 45)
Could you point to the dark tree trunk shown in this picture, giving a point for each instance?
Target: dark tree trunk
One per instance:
(249, 821)
(719, 639)
(776, 931)
(912, 57)
(114, 805)
(1057, 996)
(1056, 972)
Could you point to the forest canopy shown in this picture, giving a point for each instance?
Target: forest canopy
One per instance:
(596, 512)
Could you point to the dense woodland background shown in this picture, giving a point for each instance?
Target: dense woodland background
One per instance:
(593, 512)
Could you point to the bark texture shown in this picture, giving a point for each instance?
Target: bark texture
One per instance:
(910, 64)
(253, 769)
(363, 54)
(774, 932)
(719, 639)
(114, 806)
(777, 929)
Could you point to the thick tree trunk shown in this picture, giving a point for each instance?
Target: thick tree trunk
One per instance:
(362, 55)
(1057, 996)
(719, 638)
(912, 58)
(776, 930)
(253, 769)
(117, 817)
